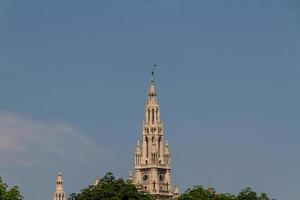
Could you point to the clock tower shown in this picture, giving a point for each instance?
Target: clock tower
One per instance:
(152, 169)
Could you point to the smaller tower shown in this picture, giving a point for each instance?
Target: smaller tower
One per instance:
(59, 193)
(130, 177)
(176, 192)
(97, 180)
(138, 155)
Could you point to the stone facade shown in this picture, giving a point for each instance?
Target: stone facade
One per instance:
(152, 170)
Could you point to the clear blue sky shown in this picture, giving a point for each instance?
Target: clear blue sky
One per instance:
(73, 81)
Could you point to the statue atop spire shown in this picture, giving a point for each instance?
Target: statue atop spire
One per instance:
(152, 74)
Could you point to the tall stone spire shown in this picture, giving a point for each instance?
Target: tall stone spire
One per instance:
(152, 156)
(59, 193)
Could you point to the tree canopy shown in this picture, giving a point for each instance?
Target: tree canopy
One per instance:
(110, 188)
(12, 194)
(201, 193)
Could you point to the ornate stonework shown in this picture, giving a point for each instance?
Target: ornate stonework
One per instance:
(59, 193)
(152, 169)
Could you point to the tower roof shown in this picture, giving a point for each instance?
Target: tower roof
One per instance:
(59, 176)
(59, 182)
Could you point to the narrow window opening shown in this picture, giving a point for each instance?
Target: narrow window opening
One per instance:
(147, 147)
(152, 116)
(159, 146)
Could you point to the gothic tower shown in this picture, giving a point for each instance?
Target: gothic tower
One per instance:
(152, 157)
(59, 193)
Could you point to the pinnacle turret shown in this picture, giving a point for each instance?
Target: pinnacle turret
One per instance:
(176, 192)
(130, 176)
(97, 181)
(138, 148)
(167, 148)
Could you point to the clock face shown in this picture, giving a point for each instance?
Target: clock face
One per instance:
(145, 177)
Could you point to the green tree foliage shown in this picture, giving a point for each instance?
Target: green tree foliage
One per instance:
(12, 194)
(249, 194)
(110, 188)
(201, 193)
(196, 193)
